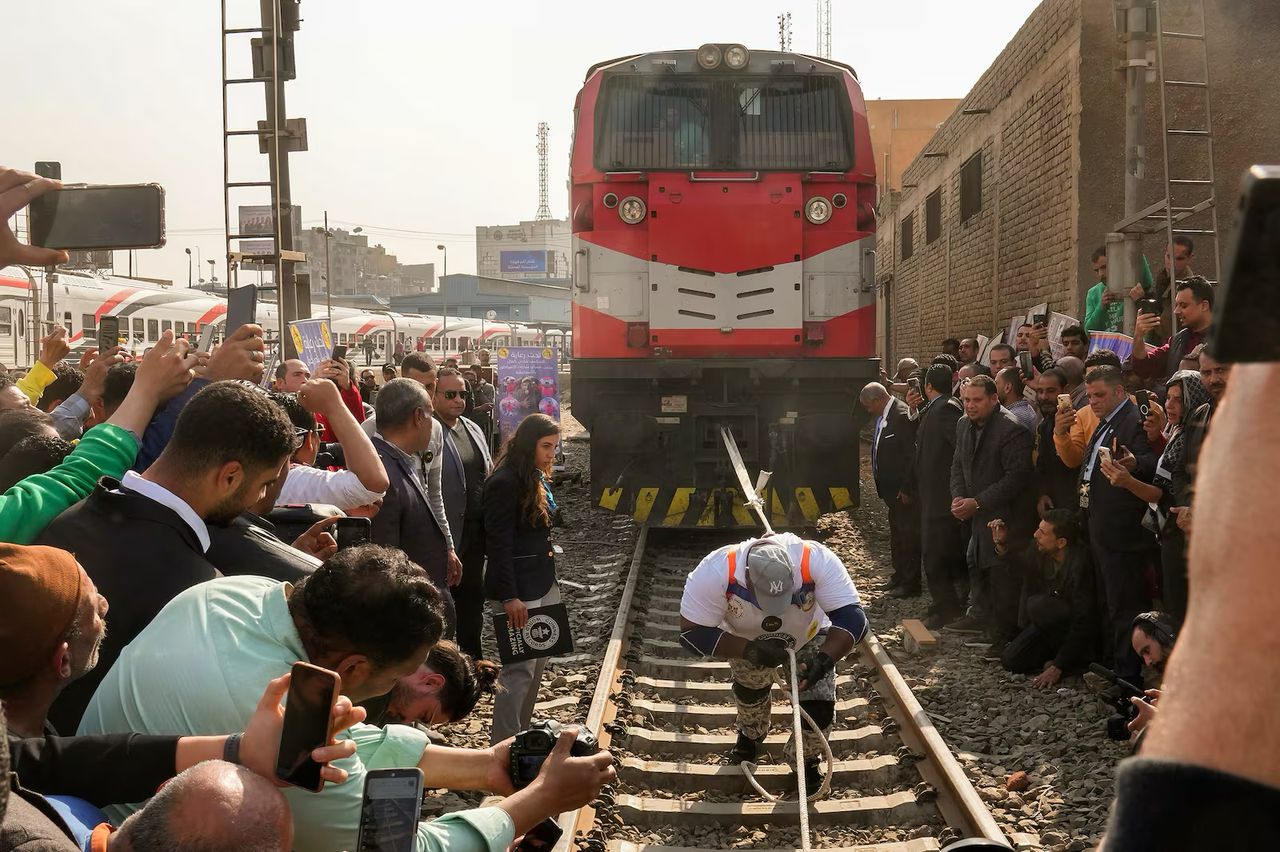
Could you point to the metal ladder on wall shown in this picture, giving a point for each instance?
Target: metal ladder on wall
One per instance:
(1189, 206)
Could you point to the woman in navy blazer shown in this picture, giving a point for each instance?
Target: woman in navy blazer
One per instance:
(521, 574)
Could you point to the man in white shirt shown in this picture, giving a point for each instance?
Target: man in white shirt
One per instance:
(362, 482)
(748, 603)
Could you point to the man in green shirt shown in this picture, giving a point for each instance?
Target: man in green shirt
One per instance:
(370, 615)
(1103, 308)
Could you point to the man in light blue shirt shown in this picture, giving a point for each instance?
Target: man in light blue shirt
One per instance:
(368, 614)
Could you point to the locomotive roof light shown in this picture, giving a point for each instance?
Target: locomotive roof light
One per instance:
(632, 210)
(818, 210)
(839, 199)
(710, 56)
(610, 200)
(736, 56)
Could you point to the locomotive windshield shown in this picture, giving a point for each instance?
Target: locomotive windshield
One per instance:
(688, 121)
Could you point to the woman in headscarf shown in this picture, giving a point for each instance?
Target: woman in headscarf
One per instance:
(1171, 486)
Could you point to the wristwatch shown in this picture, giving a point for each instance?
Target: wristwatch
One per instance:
(231, 749)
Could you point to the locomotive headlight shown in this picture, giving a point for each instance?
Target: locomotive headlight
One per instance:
(710, 56)
(818, 210)
(736, 56)
(632, 210)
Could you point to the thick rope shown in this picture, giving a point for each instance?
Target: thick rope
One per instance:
(798, 713)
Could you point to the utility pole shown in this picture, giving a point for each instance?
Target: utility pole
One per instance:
(328, 275)
(444, 304)
(1135, 20)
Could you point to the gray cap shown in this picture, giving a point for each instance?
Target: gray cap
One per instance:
(772, 578)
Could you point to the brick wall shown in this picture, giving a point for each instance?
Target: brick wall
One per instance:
(1019, 248)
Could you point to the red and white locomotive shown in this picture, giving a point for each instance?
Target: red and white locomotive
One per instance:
(723, 232)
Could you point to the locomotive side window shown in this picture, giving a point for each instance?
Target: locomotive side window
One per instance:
(153, 329)
(137, 328)
(89, 324)
(6, 321)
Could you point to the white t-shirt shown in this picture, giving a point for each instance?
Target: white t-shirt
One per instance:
(712, 601)
(339, 488)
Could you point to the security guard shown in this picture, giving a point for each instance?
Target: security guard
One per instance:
(749, 602)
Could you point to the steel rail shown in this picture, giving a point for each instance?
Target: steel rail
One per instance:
(958, 799)
(602, 709)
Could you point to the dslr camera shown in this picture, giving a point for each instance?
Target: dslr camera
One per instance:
(534, 743)
(1118, 724)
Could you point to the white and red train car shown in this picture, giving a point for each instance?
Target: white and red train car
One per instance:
(723, 232)
(146, 311)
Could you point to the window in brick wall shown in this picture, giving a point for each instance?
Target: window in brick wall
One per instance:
(904, 238)
(933, 216)
(971, 186)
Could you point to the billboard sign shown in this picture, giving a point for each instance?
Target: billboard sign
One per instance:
(256, 220)
(523, 261)
(527, 384)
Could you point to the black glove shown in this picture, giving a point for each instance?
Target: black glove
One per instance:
(814, 667)
(766, 653)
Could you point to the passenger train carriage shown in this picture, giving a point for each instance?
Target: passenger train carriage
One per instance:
(146, 311)
(723, 232)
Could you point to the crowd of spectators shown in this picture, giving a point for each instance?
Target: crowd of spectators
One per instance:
(1048, 500)
(152, 603)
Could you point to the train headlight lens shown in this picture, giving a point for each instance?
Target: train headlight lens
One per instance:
(710, 56)
(818, 210)
(736, 56)
(632, 210)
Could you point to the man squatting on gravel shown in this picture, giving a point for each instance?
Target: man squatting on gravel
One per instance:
(748, 603)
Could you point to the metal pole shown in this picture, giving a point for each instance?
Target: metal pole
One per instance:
(328, 276)
(1135, 154)
(444, 304)
(278, 161)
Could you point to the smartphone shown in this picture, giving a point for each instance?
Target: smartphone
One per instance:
(914, 384)
(206, 338)
(1148, 306)
(242, 308)
(1104, 454)
(1246, 315)
(307, 711)
(352, 531)
(1064, 402)
(1040, 320)
(339, 352)
(389, 810)
(1143, 398)
(108, 332)
(99, 217)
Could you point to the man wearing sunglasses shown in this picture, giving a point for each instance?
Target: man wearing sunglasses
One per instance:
(466, 466)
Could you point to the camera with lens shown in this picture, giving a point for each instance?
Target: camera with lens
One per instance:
(532, 745)
(1126, 712)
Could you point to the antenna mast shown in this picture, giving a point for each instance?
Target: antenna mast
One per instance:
(544, 208)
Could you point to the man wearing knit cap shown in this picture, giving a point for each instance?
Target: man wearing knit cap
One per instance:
(748, 603)
(52, 622)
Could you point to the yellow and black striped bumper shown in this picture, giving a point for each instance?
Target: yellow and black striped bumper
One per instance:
(724, 507)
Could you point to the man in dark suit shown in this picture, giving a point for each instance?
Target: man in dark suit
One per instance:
(990, 479)
(466, 466)
(943, 537)
(405, 424)
(1056, 484)
(144, 539)
(893, 442)
(1121, 545)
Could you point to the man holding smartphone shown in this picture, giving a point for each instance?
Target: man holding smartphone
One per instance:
(1193, 306)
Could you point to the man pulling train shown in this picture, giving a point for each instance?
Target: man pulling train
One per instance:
(751, 601)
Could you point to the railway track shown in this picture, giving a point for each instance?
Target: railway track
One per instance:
(669, 719)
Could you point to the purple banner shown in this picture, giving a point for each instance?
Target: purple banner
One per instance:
(527, 384)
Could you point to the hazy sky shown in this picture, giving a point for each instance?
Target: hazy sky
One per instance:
(421, 115)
